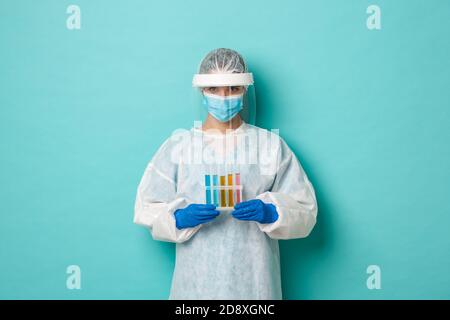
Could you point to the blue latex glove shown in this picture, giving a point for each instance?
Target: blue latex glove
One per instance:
(195, 214)
(255, 210)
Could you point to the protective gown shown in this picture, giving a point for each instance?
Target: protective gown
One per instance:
(226, 258)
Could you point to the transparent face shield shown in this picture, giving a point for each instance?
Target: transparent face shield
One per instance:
(225, 98)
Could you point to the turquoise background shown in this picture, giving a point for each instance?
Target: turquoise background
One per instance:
(83, 111)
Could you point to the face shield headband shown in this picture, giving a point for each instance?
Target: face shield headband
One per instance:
(222, 80)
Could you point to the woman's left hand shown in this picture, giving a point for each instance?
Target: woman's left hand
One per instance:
(255, 210)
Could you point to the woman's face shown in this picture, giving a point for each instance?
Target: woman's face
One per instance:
(225, 91)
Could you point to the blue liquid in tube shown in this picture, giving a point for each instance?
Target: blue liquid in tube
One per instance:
(215, 191)
(208, 188)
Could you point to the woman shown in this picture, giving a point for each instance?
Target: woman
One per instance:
(226, 232)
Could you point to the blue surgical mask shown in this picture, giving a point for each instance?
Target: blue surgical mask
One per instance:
(223, 108)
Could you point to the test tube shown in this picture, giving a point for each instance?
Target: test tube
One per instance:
(208, 188)
(238, 189)
(230, 191)
(215, 192)
(223, 200)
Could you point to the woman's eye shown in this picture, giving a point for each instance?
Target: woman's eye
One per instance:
(212, 89)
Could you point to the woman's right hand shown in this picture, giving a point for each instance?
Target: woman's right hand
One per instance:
(195, 214)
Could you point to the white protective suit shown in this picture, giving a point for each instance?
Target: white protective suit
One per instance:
(225, 258)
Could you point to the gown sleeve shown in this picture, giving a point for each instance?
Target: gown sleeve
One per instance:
(157, 199)
(293, 196)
